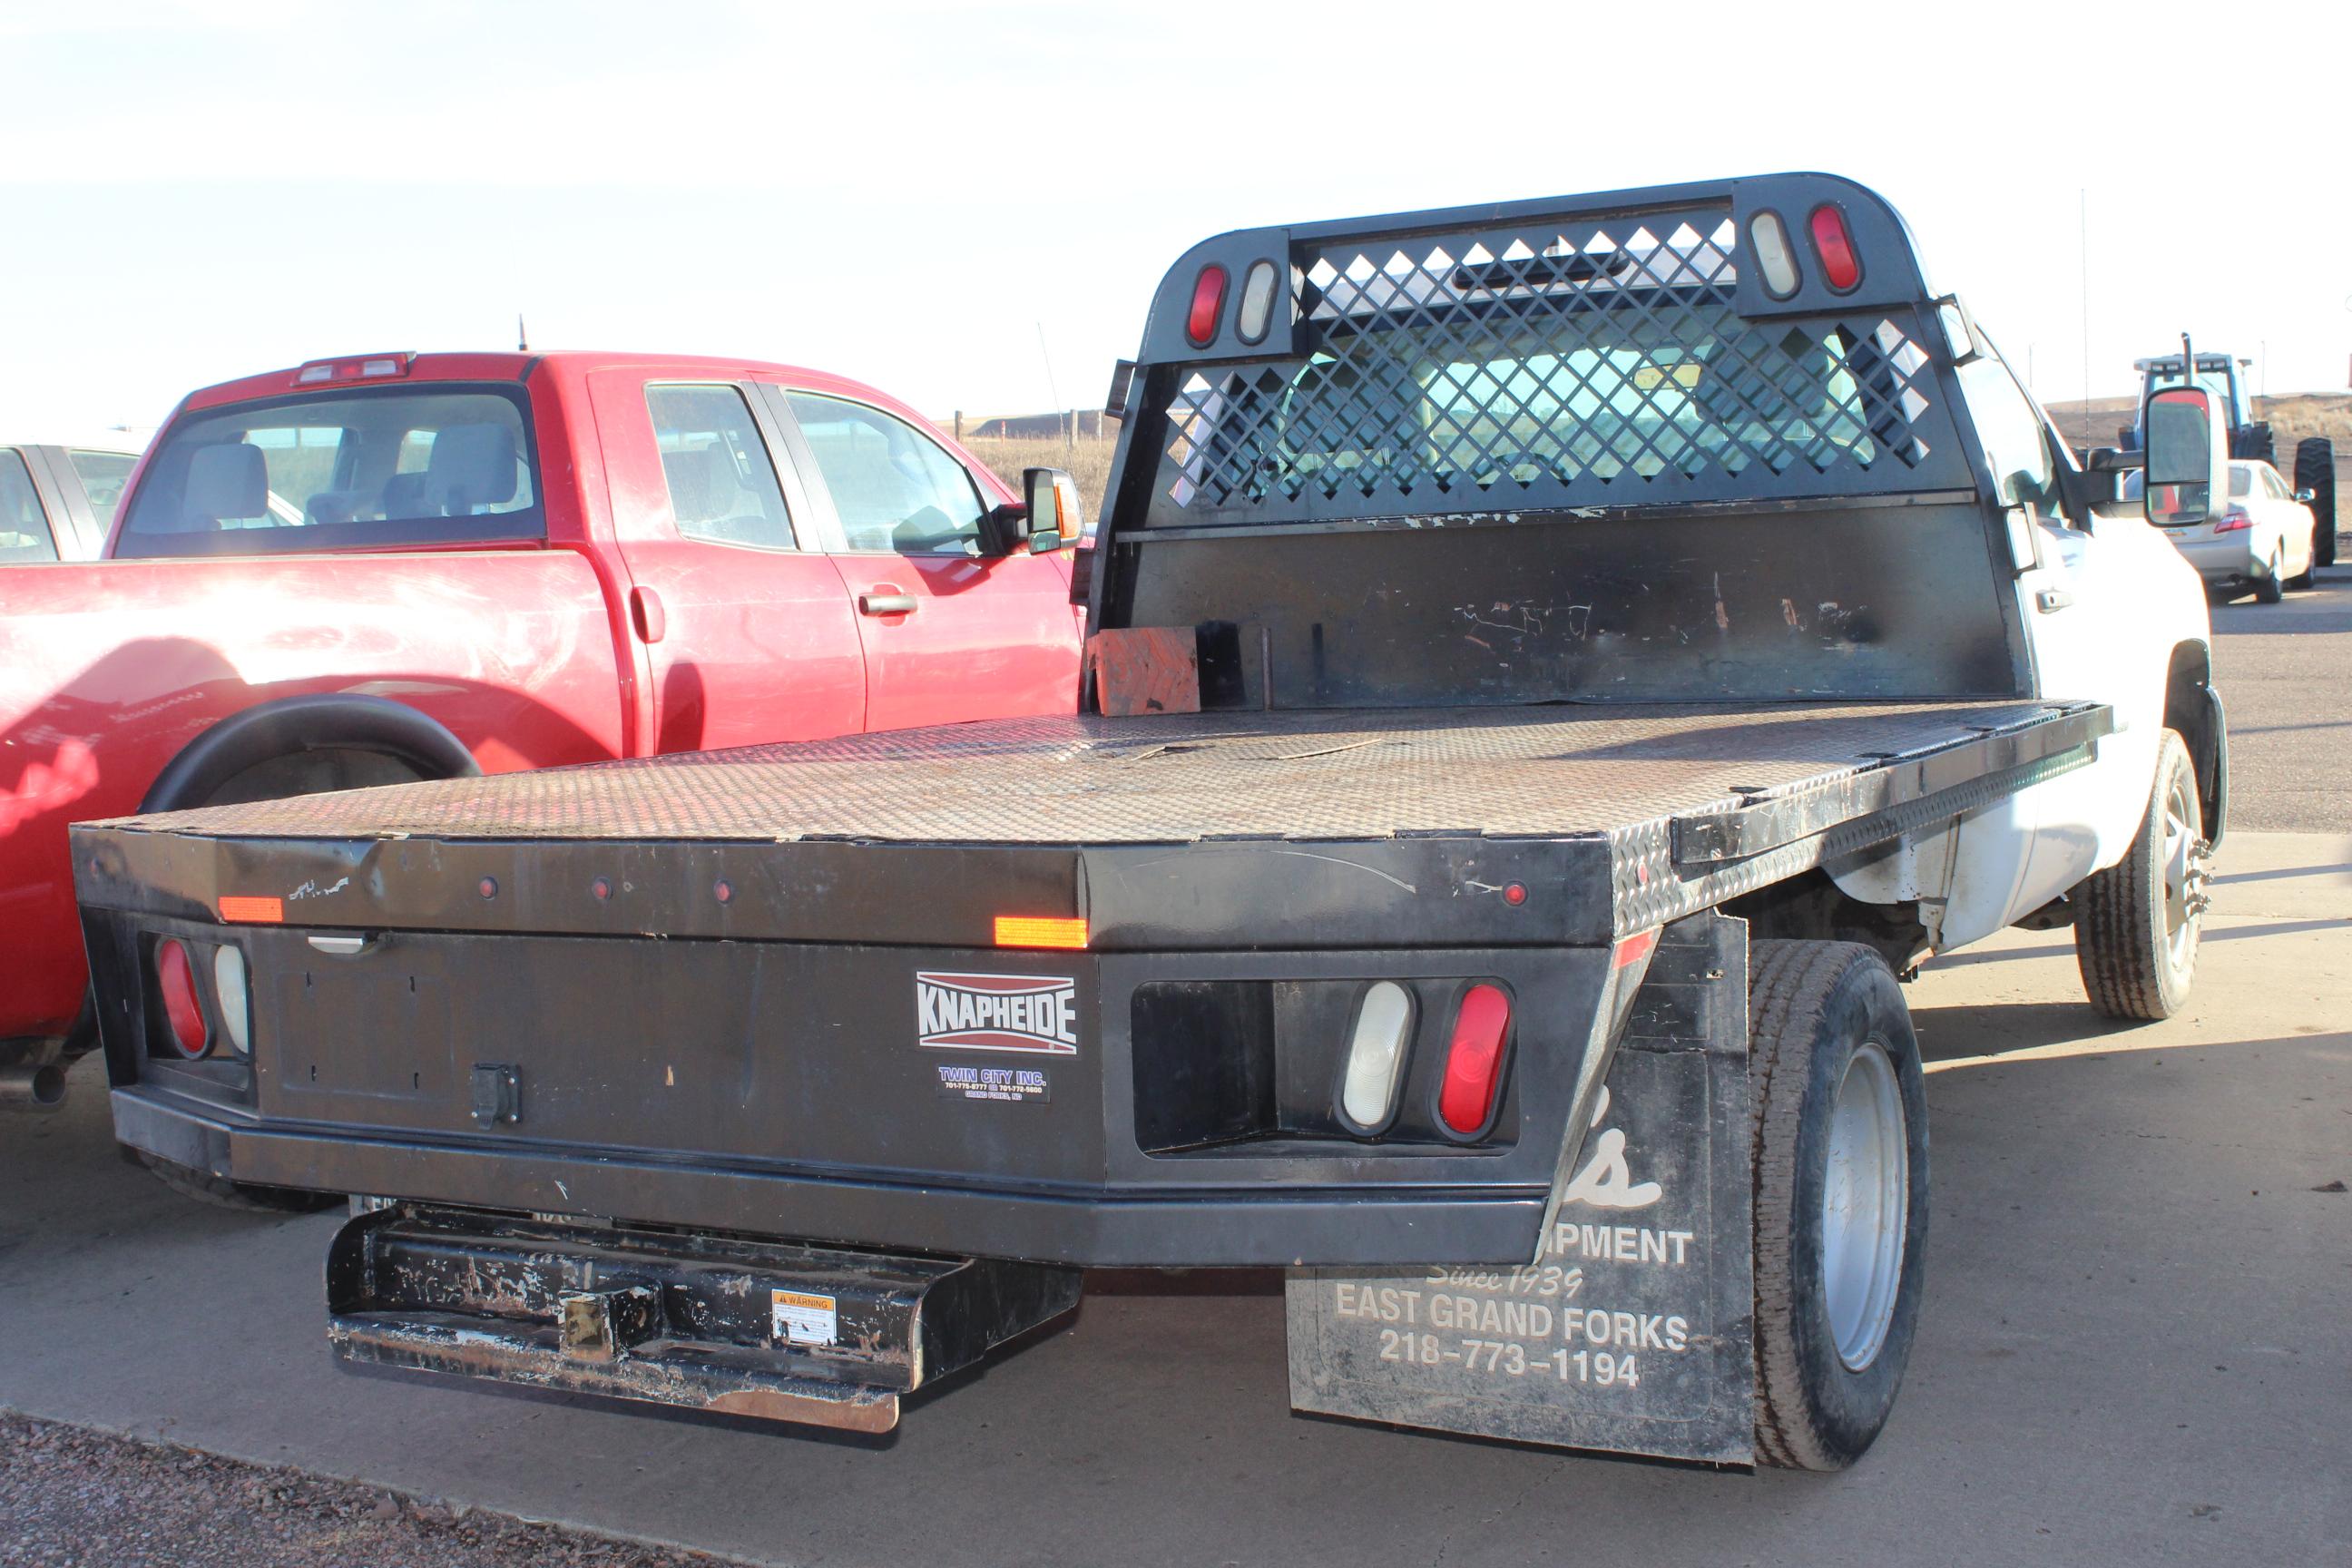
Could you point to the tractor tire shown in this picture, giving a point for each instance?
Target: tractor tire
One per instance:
(1838, 1105)
(2255, 443)
(246, 1197)
(2314, 471)
(2136, 923)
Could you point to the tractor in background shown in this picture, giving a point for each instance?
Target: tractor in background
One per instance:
(2314, 456)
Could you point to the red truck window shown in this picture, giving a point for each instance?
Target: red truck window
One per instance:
(893, 488)
(408, 465)
(103, 477)
(24, 530)
(722, 486)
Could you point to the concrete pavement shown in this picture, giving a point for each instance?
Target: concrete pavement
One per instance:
(2135, 1350)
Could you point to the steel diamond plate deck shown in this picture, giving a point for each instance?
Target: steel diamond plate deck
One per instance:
(1521, 771)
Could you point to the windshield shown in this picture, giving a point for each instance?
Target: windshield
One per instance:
(409, 465)
(2241, 482)
(2224, 387)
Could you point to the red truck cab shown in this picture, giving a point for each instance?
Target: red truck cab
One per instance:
(392, 566)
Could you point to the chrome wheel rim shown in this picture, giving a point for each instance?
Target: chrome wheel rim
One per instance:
(1865, 1205)
(2184, 893)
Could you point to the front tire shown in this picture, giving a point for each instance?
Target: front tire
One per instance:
(1839, 1104)
(2137, 923)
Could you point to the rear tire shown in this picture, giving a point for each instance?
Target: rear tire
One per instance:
(2137, 923)
(247, 1198)
(1838, 1105)
(2270, 587)
(2314, 471)
(296, 746)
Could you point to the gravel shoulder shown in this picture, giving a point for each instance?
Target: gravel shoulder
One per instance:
(73, 1498)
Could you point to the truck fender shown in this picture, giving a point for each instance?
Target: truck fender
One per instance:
(326, 720)
(2193, 708)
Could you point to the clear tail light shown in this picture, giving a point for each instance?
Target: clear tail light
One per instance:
(1376, 1056)
(233, 997)
(1776, 261)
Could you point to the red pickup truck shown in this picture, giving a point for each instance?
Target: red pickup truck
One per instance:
(399, 566)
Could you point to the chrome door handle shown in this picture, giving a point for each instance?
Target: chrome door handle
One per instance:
(885, 603)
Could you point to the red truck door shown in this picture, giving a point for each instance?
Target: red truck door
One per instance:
(747, 623)
(949, 636)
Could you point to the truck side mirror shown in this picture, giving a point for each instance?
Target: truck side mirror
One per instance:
(1056, 513)
(2186, 456)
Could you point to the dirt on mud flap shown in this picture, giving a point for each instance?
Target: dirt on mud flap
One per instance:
(1632, 1328)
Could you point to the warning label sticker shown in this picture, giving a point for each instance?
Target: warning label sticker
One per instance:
(805, 1319)
(1027, 1086)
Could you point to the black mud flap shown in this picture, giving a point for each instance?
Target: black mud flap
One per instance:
(1631, 1331)
(744, 1326)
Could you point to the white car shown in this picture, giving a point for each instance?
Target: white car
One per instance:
(2263, 540)
(57, 497)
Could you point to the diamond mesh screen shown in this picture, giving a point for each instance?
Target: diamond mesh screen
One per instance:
(1597, 362)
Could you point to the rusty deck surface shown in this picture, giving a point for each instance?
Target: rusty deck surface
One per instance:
(1329, 774)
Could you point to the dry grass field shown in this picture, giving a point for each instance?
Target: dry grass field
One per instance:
(2293, 416)
(1087, 460)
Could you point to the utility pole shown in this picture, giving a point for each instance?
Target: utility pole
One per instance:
(2083, 216)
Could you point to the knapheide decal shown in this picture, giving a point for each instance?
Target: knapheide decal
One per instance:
(1037, 1013)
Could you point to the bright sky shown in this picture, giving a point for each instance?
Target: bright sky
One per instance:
(908, 191)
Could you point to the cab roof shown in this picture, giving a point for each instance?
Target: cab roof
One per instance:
(509, 366)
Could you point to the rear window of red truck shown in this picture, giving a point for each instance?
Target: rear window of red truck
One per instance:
(371, 469)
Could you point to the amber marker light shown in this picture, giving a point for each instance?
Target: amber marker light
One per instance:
(1040, 931)
(245, 909)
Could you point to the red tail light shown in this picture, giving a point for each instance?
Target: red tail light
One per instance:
(1841, 267)
(1208, 305)
(175, 977)
(1474, 1062)
(2237, 519)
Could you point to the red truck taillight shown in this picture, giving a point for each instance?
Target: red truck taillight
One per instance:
(1834, 243)
(1473, 1061)
(1208, 306)
(183, 1010)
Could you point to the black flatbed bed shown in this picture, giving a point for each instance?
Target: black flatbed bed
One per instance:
(1662, 808)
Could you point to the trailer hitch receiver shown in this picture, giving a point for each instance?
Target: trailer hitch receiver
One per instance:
(737, 1324)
